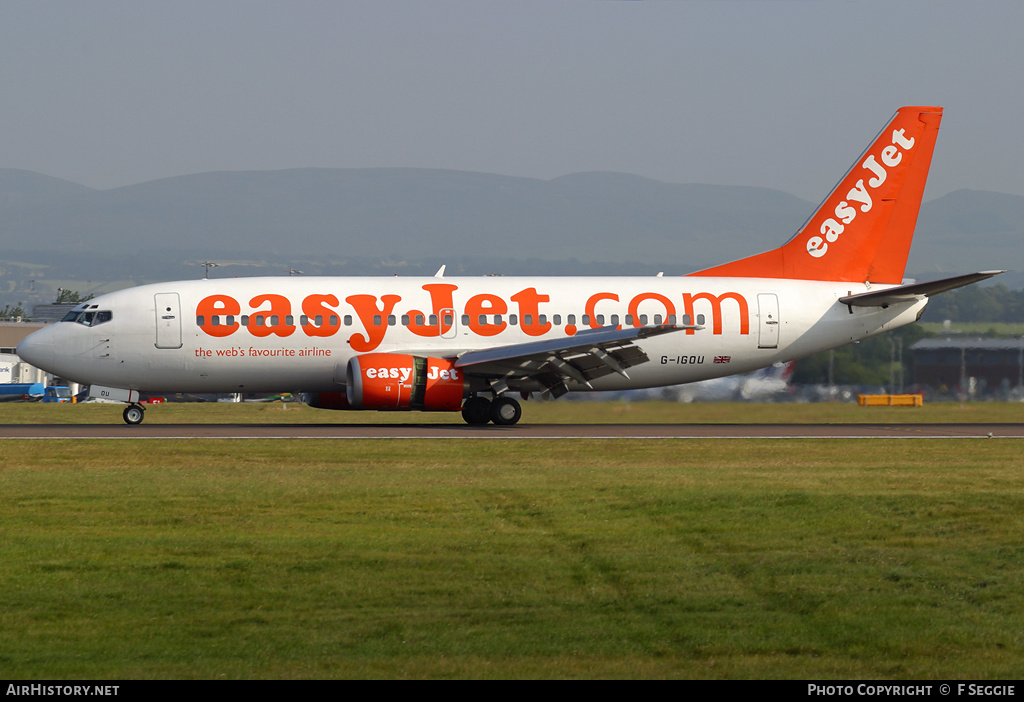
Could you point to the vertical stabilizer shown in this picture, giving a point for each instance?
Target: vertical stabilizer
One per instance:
(863, 229)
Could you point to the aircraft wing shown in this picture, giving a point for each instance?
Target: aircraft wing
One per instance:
(590, 354)
(914, 291)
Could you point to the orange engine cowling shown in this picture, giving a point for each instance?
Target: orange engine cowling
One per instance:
(391, 381)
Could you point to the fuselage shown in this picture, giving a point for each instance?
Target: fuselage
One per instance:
(298, 334)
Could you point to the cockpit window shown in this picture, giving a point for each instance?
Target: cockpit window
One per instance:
(88, 318)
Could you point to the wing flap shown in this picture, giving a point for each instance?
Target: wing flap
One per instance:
(552, 363)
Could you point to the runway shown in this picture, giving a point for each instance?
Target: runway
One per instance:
(521, 431)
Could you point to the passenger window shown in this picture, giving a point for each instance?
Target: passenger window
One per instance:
(376, 320)
(200, 320)
(513, 320)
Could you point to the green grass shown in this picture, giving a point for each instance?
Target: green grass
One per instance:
(534, 412)
(987, 328)
(424, 559)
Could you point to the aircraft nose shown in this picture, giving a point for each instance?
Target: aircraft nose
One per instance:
(37, 349)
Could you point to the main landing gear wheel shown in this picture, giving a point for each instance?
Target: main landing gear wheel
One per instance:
(477, 410)
(505, 411)
(133, 414)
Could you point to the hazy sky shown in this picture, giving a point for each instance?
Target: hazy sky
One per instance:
(776, 93)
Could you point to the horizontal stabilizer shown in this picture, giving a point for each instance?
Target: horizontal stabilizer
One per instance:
(914, 291)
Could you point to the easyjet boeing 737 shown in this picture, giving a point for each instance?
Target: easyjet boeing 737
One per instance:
(472, 344)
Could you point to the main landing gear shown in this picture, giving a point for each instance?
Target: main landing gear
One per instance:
(134, 414)
(503, 411)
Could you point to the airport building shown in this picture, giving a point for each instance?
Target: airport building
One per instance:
(12, 368)
(992, 368)
(12, 331)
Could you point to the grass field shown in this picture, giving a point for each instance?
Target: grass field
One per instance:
(1004, 329)
(534, 412)
(507, 559)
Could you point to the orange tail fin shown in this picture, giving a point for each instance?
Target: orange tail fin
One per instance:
(863, 229)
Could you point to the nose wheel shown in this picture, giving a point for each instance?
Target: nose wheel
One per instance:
(134, 414)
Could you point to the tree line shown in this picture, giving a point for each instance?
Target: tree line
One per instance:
(64, 297)
(870, 362)
(993, 303)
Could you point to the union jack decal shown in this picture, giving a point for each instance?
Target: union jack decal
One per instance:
(723, 359)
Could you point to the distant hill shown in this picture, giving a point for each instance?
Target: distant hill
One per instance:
(20, 188)
(400, 214)
(344, 221)
(970, 230)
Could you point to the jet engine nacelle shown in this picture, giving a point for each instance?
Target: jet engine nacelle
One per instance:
(328, 400)
(391, 381)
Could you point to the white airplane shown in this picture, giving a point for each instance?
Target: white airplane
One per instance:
(764, 384)
(470, 344)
